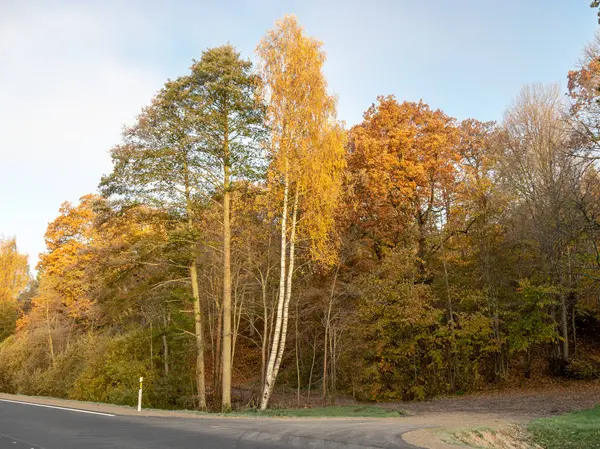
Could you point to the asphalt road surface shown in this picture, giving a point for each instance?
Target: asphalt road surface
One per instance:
(29, 426)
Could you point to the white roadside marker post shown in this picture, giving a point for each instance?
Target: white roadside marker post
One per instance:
(140, 395)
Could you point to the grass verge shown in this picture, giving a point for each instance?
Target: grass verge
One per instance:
(325, 412)
(577, 430)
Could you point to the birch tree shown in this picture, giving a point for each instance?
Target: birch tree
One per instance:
(306, 161)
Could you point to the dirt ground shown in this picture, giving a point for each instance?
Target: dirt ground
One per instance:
(505, 410)
(549, 400)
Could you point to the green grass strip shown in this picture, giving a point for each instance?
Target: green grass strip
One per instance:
(578, 430)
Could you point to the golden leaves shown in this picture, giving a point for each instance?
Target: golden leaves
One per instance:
(307, 143)
(14, 271)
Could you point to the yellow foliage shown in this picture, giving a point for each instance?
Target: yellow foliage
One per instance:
(14, 271)
(307, 142)
(63, 284)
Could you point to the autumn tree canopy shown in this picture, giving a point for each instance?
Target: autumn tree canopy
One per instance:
(249, 249)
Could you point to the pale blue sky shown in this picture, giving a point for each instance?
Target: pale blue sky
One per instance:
(73, 72)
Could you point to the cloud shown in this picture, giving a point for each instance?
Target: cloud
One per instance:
(67, 86)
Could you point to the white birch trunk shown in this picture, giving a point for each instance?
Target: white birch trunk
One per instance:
(270, 376)
(288, 289)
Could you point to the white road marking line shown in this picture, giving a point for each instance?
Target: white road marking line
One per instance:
(58, 408)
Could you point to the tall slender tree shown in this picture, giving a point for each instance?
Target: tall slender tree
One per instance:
(228, 123)
(306, 160)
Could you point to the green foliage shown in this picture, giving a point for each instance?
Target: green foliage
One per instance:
(531, 324)
(223, 97)
(408, 349)
(9, 313)
(401, 333)
(198, 124)
(22, 357)
(473, 347)
(112, 371)
(113, 368)
(97, 368)
(579, 430)
(464, 248)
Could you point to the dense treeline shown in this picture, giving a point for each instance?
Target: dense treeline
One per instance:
(246, 246)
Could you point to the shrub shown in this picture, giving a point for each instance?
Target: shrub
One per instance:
(586, 369)
(111, 373)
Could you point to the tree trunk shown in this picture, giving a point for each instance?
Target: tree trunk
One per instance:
(270, 376)
(297, 360)
(288, 288)
(327, 335)
(218, 339)
(564, 313)
(50, 339)
(151, 345)
(312, 367)
(226, 349)
(333, 352)
(574, 351)
(238, 310)
(199, 337)
(166, 347)
(564, 326)
(193, 269)
(165, 354)
(421, 244)
(324, 382)
(265, 335)
(450, 317)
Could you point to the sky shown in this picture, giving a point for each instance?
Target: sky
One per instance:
(73, 73)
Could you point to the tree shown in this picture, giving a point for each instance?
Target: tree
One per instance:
(159, 165)
(399, 344)
(228, 122)
(306, 150)
(199, 137)
(584, 95)
(545, 177)
(14, 277)
(63, 265)
(479, 208)
(403, 160)
(63, 300)
(411, 256)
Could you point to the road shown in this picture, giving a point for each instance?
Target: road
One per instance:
(30, 426)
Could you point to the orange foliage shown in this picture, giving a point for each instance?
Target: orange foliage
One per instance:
(63, 284)
(403, 159)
